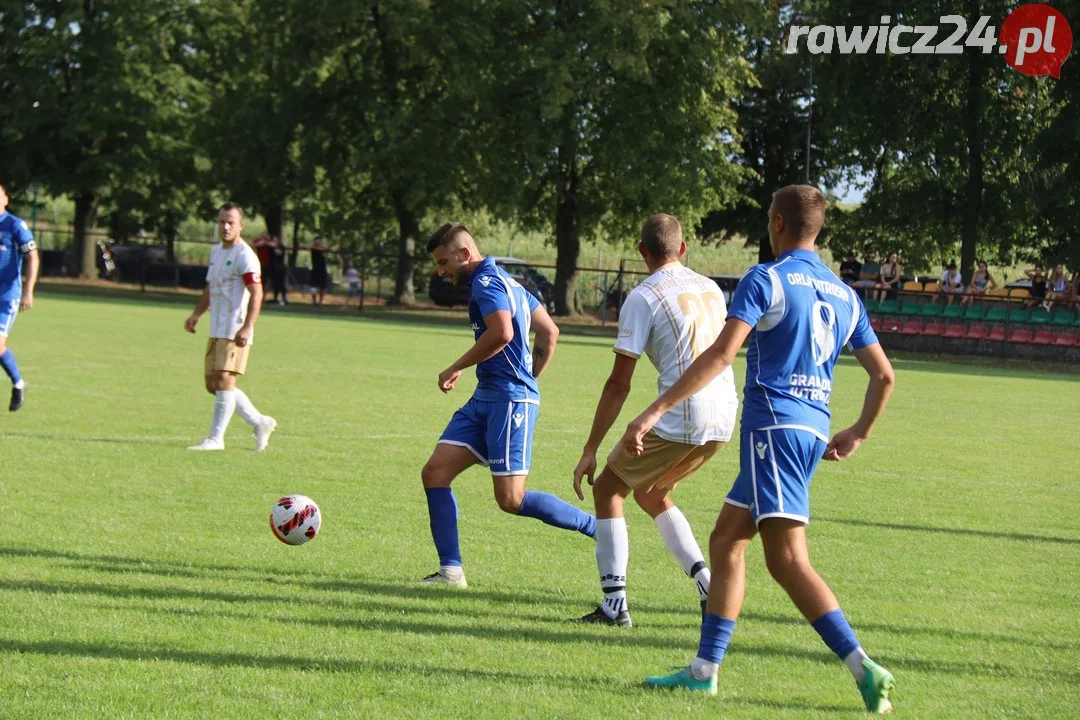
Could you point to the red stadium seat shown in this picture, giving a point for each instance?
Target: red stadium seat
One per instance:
(1043, 337)
(1066, 340)
(911, 327)
(976, 332)
(875, 324)
(956, 331)
(1020, 336)
(997, 333)
(934, 329)
(890, 326)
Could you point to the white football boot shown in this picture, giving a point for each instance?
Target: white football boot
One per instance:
(454, 577)
(262, 432)
(208, 443)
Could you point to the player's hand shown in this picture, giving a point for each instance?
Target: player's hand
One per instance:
(843, 444)
(633, 440)
(586, 468)
(191, 322)
(243, 336)
(448, 378)
(27, 302)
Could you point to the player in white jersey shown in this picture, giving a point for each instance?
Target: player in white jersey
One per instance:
(233, 295)
(672, 316)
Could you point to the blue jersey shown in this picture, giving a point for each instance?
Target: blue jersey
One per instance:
(507, 376)
(802, 316)
(15, 241)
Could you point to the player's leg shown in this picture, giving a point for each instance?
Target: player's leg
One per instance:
(508, 437)
(7, 358)
(612, 551)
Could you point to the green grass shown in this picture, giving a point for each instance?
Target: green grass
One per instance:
(139, 580)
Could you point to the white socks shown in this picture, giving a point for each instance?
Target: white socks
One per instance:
(224, 404)
(680, 542)
(245, 409)
(854, 663)
(20, 385)
(612, 557)
(703, 669)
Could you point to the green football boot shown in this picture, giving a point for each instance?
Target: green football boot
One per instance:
(875, 687)
(683, 679)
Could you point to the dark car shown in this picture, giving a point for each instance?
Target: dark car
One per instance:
(727, 284)
(443, 292)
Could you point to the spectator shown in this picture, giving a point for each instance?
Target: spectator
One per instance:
(1058, 287)
(278, 269)
(981, 283)
(950, 284)
(890, 277)
(1076, 290)
(263, 245)
(849, 269)
(870, 272)
(1037, 293)
(319, 275)
(352, 276)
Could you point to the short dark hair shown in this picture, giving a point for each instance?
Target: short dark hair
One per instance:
(952, 266)
(232, 206)
(446, 235)
(662, 236)
(803, 207)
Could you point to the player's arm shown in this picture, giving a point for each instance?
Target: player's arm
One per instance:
(612, 398)
(33, 263)
(200, 307)
(882, 380)
(499, 333)
(715, 360)
(253, 283)
(547, 334)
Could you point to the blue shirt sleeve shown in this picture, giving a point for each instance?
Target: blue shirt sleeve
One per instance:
(533, 302)
(863, 335)
(752, 297)
(491, 297)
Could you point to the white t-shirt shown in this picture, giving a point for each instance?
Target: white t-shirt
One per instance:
(228, 294)
(352, 276)
(673, 316)
(953, 280)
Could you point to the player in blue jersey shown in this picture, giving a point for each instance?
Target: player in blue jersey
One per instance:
(16, 244)
(494, 428)
(798, 316)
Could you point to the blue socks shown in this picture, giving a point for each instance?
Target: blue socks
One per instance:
(550, 509)
(7, 361)
(715, 635)
(834, 630)
(442, 509)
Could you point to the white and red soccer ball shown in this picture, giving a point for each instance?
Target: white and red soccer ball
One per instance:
(295, 519)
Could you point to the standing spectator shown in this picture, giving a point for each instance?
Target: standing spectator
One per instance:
(263, 249)
(319, 275)
(849, 269)
(981, 283)
(890, 277)
(352, 276)
(1058, 287)
(1037, 293)
(950, 284)
(870, 272)
(278, 269)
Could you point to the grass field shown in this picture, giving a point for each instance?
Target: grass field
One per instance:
(140, 580)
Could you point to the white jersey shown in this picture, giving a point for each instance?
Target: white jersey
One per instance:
(228, 294)
(673, 316)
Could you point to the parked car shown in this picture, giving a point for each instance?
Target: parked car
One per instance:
(442, 291)
(727, 284)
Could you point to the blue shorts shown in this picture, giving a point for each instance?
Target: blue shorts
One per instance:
(775, 469)
(499, 434)
(9, 309)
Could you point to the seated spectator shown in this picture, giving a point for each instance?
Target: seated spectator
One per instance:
(1037, 293)
(1058, 287)
(981, 283)
(890, 277)
(950, 284)
(849, 269)
(870, 272)
(1076, 291)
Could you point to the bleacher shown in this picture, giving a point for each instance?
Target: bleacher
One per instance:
(996, 324)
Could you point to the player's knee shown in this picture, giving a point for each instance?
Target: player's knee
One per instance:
(433, 476)
(785, 564)
(509, 500)
(651, 502)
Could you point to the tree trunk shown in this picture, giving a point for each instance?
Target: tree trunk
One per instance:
(170, 243)
(764, 252)
(973, 191)
(86, 207)
(295, 242)
(408, 230)
(567, 242)
(274, 214)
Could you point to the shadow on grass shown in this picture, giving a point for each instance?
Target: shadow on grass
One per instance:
(176, 442)
(993, 534)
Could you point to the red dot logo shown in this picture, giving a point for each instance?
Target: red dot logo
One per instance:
(1035, 40)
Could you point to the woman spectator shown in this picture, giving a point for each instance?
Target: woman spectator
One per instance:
(890, 277)
(1058, 287)
(982, 282)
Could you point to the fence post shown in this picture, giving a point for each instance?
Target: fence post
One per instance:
(363, 279)
(619, 301)
(603, 298)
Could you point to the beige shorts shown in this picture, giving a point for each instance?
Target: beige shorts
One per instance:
(662, 464)
(223, 355)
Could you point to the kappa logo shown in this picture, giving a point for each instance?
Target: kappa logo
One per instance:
(485, 281)
(518, 417)
(625, 332)
(761, 448)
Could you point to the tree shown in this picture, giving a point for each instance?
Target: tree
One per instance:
(602, 113)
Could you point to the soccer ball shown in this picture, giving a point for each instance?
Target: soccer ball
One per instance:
(295, 519)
